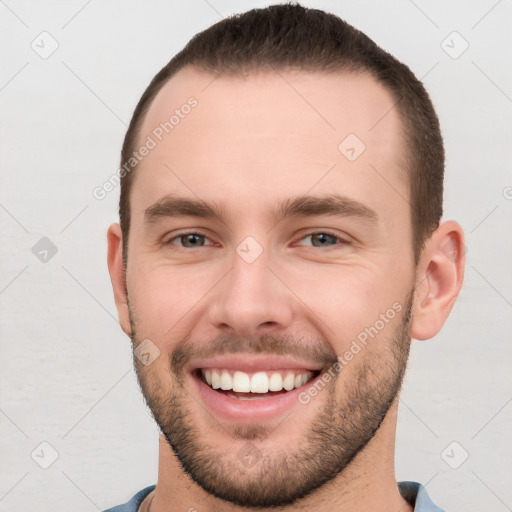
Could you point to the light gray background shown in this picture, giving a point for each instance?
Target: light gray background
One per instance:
(66, 373)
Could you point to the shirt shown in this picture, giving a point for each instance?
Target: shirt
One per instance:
(413, 492)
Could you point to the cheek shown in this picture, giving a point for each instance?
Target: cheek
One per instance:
(163, 297)
(352, 301)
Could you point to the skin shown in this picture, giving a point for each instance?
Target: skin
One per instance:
(251, 142)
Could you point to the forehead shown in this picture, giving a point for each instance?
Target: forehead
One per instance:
(272, 132)
(321, 103)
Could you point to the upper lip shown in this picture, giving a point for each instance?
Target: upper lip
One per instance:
(253, 363)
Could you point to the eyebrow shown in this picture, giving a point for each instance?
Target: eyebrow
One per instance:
(301, 206)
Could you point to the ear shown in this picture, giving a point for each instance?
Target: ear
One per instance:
(117, 275)
(439, 277)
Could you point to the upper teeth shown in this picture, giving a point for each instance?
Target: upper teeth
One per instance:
(259, 382)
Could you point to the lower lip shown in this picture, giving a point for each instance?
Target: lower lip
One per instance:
(248, 411)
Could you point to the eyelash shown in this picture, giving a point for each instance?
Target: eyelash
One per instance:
(341, 241)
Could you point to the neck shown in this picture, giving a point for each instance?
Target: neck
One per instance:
(368, 483)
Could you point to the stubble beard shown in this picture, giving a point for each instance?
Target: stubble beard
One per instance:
(342, 429)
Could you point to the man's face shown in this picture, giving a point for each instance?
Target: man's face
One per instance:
(255, 298)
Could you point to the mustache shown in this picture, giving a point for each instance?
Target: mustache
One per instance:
(317, 351)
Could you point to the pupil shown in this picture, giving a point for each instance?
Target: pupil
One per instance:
(193, 239)
(323, 237)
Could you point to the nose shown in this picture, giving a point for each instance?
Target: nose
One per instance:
(251, 299)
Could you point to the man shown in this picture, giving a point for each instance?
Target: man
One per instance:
(279, 245)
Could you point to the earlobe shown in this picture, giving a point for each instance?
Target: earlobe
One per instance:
(439, 278)
(117, 275)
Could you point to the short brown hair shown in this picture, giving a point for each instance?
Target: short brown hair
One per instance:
(291, 36)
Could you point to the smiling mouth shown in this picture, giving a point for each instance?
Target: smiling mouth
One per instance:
(256, 385)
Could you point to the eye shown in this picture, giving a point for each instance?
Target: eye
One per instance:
(194, 239)
(188, 240)
(324, 239)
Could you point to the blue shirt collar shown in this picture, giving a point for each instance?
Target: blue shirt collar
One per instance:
(413, 492)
